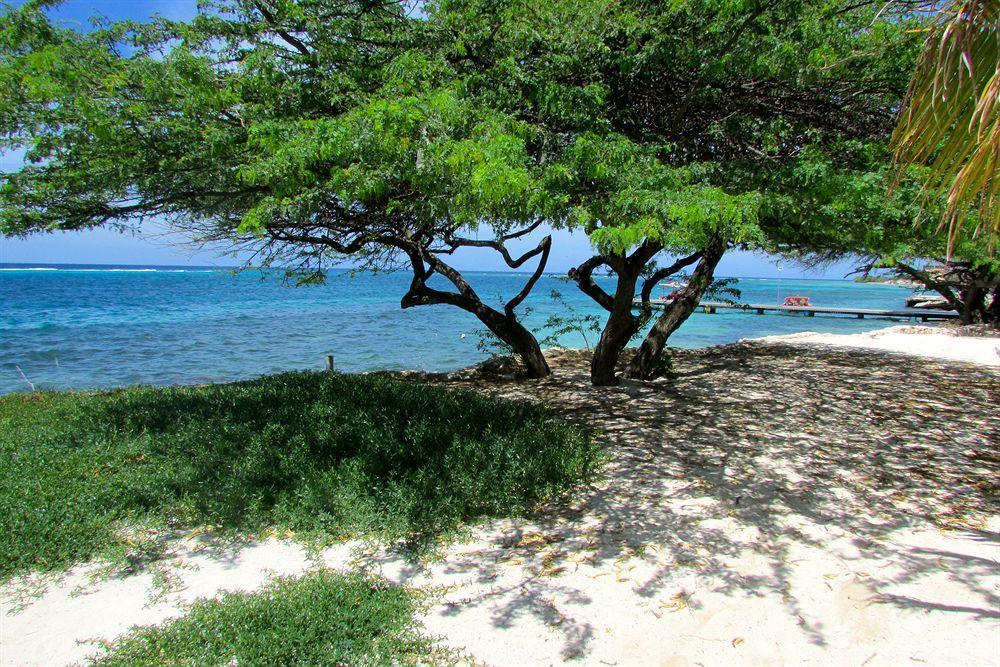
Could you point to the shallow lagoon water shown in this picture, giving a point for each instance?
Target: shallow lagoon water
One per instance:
(82, 328)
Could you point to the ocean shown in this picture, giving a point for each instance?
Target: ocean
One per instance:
(85, 327)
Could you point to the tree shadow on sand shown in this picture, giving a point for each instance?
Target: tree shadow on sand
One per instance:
(753, 457)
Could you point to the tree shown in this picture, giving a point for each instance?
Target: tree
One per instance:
(634, 208)
(308, 132)
(685, 128)
(971, 287)
(861, 222)
(879, 233)
(312, 131)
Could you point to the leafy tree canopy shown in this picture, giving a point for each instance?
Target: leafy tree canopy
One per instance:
(248, 115)
(306, 131)
(311, 130)
(674, 121)
(631, 121)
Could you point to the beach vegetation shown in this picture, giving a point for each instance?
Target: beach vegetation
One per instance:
(970, 287)
(950, 120)
(570, 321)
(958, 264)
(323, 456)
(321, 618)
(310, 134)
(874, 223)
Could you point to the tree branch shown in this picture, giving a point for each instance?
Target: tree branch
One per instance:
(544, 247)
(660, 274)
(497, 244)
(940, 287)
(289, 39)
(584, 277)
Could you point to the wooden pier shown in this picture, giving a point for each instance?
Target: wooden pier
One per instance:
(711, 307)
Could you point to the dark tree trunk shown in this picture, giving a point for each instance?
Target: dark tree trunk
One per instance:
(503, 324)
(644, 364)
(973, 305)
(929, 282)
(965, 287)
(618, 331)
(425, 252)
(535, 365)
(522, 341)
(622, 322)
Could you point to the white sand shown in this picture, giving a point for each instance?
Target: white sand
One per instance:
(932, 342)
(77, 610)
(719, 536)
(507, 606)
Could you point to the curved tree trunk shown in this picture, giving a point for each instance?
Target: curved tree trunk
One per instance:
(522, 341)
(618, 331)
(622, 323)
(643, 365)
(966, 288)
(424, 252)
(973, 305)
(503, 324)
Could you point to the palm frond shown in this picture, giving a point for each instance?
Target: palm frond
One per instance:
(950, 118)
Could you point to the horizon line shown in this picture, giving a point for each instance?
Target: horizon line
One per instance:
(203, 267)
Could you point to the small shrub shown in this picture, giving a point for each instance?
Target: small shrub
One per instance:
(570, 321)
(323, 618)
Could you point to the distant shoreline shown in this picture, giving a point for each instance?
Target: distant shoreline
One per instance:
(180, 268)
(11, 266)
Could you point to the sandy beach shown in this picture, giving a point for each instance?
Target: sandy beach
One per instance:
(921, 341)
(809, 499)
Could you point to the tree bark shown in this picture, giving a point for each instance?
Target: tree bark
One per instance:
(973, 305)
(643, 364)
(966, 288)
(424, 251)
(522, 341)
(622, 323)
(618, 331)
(505, 327)
(503, 324)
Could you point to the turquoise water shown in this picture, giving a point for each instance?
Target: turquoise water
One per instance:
(95, 327)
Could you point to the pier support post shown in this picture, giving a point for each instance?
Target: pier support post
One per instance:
(329, 363)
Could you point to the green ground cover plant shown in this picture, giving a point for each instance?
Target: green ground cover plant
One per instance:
(325, 455)
(322, 618)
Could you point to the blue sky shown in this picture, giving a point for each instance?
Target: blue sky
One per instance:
(108, 247)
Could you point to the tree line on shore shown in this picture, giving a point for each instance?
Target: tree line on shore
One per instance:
(310, 132)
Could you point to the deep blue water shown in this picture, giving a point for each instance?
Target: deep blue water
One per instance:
(93, 327)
